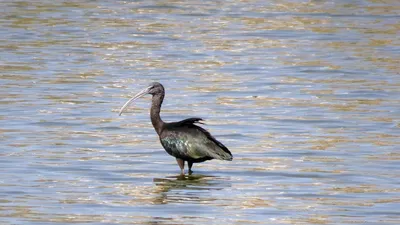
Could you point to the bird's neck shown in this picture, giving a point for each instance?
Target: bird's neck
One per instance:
(155, 112)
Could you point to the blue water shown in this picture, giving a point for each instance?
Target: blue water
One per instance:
(304, 94)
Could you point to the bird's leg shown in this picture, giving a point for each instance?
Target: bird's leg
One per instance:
(190, 164)
(181, 164)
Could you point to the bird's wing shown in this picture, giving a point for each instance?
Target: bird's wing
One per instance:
(189, 121)
(191, 141)
(211, 138)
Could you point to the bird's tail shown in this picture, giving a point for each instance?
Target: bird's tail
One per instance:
(222, 155)
(228, 158)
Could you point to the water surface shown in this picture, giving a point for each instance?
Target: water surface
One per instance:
(305, 94)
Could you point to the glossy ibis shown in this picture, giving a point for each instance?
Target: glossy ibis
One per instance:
(183, 140)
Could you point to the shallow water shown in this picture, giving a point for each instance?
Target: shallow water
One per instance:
(305, 94)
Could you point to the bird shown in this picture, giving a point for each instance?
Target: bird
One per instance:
(185, 140)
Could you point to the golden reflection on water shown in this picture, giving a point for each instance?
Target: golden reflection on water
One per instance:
(309, 86)
(173, 189)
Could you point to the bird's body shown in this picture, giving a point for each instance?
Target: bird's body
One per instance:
(183, 140)
(189, 142)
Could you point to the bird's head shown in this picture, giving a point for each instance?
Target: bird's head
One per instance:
(154, 88)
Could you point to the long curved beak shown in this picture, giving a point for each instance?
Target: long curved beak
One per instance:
(138, 95)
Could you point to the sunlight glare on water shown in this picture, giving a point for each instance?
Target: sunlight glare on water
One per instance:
(305, 94)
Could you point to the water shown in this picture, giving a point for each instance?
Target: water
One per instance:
(305, 94)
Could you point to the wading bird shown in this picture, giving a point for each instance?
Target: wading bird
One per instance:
(183, 140)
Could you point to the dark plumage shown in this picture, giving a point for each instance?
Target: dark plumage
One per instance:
(184, 139)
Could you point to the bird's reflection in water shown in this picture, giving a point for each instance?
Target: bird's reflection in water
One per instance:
(187, 188)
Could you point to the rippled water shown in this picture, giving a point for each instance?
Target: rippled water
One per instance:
(305, 94)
